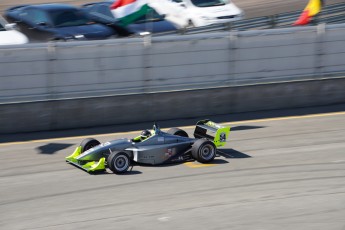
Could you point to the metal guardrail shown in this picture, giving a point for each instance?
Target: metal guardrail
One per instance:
(331, 14)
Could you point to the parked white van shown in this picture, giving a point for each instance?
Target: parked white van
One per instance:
(207, 12)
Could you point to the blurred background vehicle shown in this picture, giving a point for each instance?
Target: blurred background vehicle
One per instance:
(151, 22)
(9, 35)
(207, 12)
(64, 22)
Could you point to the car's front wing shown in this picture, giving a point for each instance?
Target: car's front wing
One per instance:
(91, 166)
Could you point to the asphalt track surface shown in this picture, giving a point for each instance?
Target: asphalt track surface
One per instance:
(280, 172)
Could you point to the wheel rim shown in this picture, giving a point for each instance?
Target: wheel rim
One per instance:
(121, 163)
(207, 152)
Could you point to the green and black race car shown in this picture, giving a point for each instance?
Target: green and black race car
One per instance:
(152, 147)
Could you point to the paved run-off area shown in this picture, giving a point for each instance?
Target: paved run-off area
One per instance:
(277, 173)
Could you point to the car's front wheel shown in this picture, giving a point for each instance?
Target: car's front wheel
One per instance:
(118, 162)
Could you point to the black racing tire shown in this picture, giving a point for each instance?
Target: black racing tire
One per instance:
(118, 162)
(177, 132)
(88, 143)
(204, 151)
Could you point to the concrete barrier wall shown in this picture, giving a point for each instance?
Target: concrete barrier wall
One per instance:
(118, 67)
(86, 84)
(90, 112)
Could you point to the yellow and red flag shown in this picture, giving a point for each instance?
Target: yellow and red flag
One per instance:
(312, 9)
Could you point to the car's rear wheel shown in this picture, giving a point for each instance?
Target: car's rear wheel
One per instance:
(118, 162)
(204, 151)
(177, 132)
(88, 143)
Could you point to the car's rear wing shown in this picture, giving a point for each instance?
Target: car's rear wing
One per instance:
(212, 131)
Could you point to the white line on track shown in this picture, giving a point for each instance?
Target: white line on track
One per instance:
(338, 161)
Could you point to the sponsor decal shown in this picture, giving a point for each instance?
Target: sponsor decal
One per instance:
(169, 153)
(146, 157)
(222, 137)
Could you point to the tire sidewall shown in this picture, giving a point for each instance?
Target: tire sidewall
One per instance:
(178, 132)
(202, 147)
(181, 133)
(206, 148)
(118, 162)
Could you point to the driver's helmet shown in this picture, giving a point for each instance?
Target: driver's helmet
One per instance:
(145, 134)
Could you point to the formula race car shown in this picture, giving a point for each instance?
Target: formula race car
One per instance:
(152, 147)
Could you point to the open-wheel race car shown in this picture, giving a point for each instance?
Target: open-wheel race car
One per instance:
(152, 147)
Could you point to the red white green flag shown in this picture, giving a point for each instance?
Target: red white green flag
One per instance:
(128, 11)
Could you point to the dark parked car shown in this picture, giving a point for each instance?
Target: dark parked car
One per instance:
(151, 22)
(47, 22)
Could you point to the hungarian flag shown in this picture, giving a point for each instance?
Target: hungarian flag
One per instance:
(312, 9)
(128, 11)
